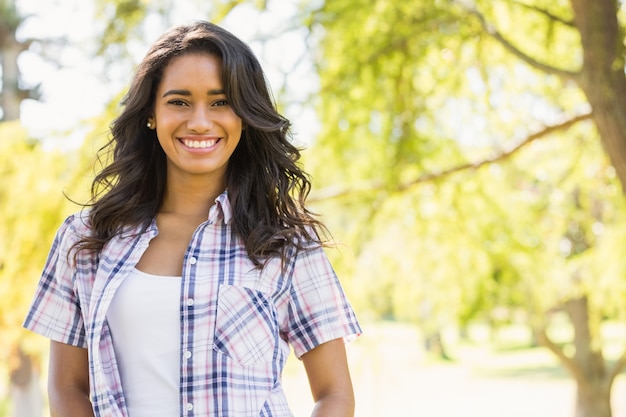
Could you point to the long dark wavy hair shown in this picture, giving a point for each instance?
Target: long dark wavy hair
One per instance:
(266, 186)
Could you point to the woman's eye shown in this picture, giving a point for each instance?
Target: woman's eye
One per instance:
(177, 102)
(221, 103)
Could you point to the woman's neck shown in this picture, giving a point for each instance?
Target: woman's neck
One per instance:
(190, 198)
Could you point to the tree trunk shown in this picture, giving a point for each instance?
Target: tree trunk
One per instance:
(11, 97)
(593, 381)
(593, 403)
(433, 343)
(603, 81)
(602, 77)
(11, 94)
(25, 390)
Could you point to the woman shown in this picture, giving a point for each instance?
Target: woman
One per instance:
(196, 265)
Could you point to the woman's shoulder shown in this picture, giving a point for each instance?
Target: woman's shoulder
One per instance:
(75, 225)
(311, 236)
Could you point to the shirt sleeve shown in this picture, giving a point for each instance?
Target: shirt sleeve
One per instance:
(319, 310)
(55, 311)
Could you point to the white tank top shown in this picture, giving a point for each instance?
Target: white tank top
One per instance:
(144, 319)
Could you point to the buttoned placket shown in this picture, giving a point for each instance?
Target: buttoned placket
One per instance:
(187, 301)
(188, 277)
(190, 264)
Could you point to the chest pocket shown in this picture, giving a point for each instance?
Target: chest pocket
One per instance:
(246, 328)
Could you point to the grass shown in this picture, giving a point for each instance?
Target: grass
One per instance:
(393, 376)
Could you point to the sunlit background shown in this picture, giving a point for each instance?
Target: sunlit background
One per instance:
(468, 157)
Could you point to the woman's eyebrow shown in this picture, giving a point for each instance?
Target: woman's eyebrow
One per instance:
(177, 93)
(188, 93)
(215, 92)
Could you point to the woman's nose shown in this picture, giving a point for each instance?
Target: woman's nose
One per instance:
(200, 120)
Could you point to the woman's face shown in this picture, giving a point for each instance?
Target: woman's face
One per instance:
(195, 124)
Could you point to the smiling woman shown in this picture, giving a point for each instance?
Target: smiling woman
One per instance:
(204, 199)
(195, 125)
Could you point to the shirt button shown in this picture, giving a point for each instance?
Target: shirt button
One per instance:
(190, 302)
(187, 354)
(193, 260)
(189, 406)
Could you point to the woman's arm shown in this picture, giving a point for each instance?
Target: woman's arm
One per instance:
(68, 381)
(329, 377)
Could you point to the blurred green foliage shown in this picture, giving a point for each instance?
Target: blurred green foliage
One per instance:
(409, 92)
(435, 167)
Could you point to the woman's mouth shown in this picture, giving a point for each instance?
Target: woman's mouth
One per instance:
(199, 144)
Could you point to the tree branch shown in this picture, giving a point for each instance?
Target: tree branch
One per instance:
(618, 367)
(369, 186)
(502, 155)
(546, 13)
(566, 361)
(506, 44)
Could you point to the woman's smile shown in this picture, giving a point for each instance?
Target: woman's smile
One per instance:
(202, 143)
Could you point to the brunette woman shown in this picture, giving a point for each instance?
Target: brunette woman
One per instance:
(181, 286)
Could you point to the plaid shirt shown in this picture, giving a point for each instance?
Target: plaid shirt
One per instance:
(236, 321)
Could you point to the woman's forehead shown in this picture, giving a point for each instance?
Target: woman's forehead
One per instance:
(191, 69)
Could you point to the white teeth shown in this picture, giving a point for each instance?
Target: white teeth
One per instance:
(199, 143)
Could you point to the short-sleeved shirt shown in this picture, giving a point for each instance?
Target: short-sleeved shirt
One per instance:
(236, 321)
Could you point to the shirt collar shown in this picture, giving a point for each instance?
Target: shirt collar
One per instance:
(221, 210)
